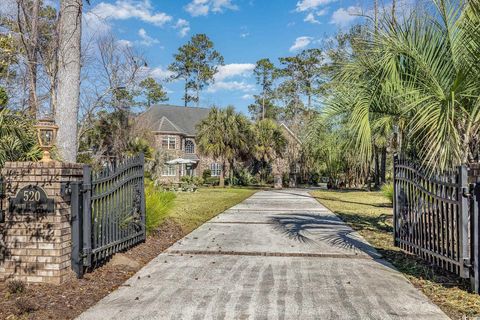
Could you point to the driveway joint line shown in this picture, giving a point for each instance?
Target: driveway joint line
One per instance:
(269, 254)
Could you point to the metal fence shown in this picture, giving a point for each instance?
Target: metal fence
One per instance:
(108, 212)
(432, 215)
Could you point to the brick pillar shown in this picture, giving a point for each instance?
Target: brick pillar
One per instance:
(36, 247)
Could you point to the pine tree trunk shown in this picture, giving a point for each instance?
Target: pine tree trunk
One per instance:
(263, 106)
(185, 97)
(68, 92)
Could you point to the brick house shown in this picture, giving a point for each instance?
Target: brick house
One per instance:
(174, 132)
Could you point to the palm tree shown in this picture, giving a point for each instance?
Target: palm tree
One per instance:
(420, 75)
(269, 143)
(224, 135)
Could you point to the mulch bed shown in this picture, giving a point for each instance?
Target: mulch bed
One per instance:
(70, 299)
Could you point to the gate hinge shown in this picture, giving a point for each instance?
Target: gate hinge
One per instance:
(467, 263)
(65, 189)
(466, 192)
(86, 187)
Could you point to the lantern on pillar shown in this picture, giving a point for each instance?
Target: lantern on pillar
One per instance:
(46, 135)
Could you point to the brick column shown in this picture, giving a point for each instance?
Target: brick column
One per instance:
(36, 247)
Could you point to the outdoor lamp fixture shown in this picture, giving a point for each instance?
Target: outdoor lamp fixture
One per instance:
(46, 134)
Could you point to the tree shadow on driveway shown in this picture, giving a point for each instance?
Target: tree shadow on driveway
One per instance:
(329, 229)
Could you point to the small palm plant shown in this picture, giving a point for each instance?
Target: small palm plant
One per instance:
(17, 138)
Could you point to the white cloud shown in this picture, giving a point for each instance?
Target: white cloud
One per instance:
(124, 43)
(247, 97)
(183, 26)
(322, 12)
(244, 35)
(300, 43)
(311, 18)
(234, 69)
(159, 73)
(94, 25)
(344, 17)
(305, 5)
(231, 86)
(146, 39)
(128, 9)
(203, 7)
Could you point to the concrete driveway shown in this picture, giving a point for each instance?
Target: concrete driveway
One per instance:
(276, 255)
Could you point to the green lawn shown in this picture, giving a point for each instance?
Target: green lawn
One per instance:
(371, 215)
(191, 209)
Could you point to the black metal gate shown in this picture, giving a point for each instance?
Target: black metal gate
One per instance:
(432, 214)
(436, 216)
(108, 212)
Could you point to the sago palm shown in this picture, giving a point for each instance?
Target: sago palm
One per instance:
(17, 138)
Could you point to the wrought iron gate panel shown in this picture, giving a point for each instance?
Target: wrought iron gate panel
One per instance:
(108, 214)
(431, 215)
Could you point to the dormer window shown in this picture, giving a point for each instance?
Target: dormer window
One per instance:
(169, 142)
(189, 146)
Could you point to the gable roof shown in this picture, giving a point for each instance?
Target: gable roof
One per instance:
(173, 119)
(290, 132)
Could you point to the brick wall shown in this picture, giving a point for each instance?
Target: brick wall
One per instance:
(179, 152)
(37, 247)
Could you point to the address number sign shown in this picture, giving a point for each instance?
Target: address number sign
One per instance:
(31, 199)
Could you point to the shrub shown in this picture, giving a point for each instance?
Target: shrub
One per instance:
(214, 181)
(207, 173)
(15, 286)
(17, 138)
(158, 202)
(387, 190)
(24, 306)
(244, 177)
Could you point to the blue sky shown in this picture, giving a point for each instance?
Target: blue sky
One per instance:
(244, 31)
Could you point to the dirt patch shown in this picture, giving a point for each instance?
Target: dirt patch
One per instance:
(71, 298)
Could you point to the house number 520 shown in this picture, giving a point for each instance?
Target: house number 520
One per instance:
(30, 195)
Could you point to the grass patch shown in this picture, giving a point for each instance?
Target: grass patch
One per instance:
(370, 213)
(191, 209)
(157, 205)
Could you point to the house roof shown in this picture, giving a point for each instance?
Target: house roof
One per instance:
(173, 119)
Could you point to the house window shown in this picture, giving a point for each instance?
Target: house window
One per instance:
(189, 146)
(216, 169)
(169, 170)
(169, 142)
